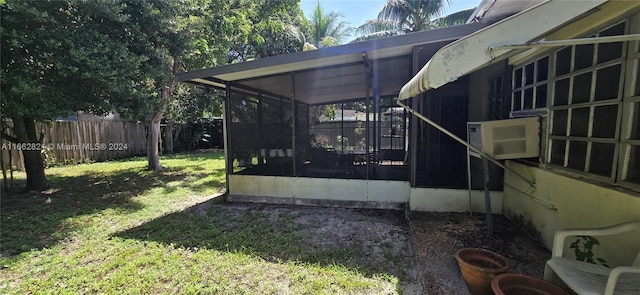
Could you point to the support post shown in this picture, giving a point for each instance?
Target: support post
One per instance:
(226, 111)
(294, 124)
(487, 195)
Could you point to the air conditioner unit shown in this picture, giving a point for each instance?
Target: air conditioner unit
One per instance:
(506, 139)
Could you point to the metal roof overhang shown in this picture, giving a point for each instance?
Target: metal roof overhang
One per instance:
(551, 20)
(330, 74)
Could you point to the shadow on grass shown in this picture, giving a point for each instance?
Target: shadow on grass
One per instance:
(281, 234)
(35, 220)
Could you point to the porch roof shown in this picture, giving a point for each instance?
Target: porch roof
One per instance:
(330, 74)
(549, 20)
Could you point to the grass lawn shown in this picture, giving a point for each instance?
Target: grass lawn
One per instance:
(115, 228)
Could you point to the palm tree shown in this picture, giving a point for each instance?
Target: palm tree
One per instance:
(327, 28)
(404, 16)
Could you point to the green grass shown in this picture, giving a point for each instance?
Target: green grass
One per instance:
(115, 228)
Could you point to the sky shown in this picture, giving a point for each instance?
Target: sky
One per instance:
(356, 12)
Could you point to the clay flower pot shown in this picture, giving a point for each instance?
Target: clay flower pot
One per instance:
(479, 267)
(519, 284)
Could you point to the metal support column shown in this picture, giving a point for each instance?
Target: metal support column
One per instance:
(487, 195)
(226, 111)
(293, 125)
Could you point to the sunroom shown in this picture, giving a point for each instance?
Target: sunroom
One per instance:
(324, 125)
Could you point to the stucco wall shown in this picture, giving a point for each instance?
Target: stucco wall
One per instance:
(320, 188)
(295, 190)
(579, 204)
(453, 200)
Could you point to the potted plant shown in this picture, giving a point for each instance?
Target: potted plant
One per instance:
(479, 267)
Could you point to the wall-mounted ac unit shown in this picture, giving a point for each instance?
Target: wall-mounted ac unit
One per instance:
(506, 139)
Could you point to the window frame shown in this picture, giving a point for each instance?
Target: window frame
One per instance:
(522, 86)
(631, 106)
(627, 102)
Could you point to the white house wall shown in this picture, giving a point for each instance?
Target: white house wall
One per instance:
(452, 200)
(580, 204)
(561, 199)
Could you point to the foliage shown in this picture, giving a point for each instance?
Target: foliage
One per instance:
(405, 16)
(270, 27)
(59, 57)
(583, 249)
(117, 54)
(192, 104)
(235, 31)
(325, 29)
(456, 18)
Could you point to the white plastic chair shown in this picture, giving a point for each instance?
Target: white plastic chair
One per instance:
(585, 278)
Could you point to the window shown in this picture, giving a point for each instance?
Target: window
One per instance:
(530, 87)
(630, 137)
(593, 106)
(586, 106)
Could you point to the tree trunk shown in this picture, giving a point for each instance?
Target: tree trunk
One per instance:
(153, 155)
(25, 130)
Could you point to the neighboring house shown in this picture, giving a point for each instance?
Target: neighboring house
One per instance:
(515, 59)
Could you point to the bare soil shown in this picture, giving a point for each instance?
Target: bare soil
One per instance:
(437, 236)
(419, 250)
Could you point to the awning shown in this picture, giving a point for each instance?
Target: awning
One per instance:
(475, 50)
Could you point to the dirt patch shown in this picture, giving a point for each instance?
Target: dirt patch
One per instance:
(437, 236)
(419, 251)
(373, 242)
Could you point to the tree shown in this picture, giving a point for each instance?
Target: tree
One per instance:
(268, 28)
(229, 32)
(326, 29)
(405, 16)
(240, 30)
(59, 57)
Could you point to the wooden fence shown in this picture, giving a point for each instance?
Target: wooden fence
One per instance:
(75, 142)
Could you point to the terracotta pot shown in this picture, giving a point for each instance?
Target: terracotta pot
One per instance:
(519, 284)
(479, 267)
